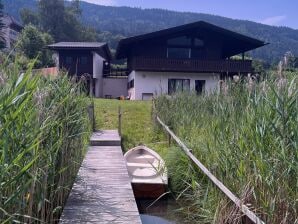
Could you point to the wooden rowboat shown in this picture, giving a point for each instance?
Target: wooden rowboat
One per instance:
(147, 171)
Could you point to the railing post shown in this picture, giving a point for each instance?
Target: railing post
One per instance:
(119, 121)
(91, 115)
(169, 139)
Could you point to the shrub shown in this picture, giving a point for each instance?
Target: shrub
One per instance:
(44, 129)
(248, 138)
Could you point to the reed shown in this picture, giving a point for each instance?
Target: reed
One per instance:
(44, 130)
(247, 136)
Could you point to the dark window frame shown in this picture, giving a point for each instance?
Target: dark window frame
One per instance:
(69, 60)
(200, 86)
(191, 48)
(131, 84)
(174, 89)
(83, 60)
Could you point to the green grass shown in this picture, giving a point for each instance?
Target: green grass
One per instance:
(137, 125)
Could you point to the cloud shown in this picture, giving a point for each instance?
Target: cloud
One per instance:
(102, 2)
(274, 20)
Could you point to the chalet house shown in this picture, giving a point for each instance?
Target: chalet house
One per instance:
(89, 59)
(11, 31)
(195, 57)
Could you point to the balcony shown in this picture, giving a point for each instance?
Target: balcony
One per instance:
(191, 65)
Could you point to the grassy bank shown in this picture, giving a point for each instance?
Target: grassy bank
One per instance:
(44, 130)
(247, 136)
(137, 125)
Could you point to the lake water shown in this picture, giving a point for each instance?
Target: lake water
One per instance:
(164, 211)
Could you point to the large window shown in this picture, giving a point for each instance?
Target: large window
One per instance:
(178, 85)
(178, 53)
(180, 41)
(185, 47)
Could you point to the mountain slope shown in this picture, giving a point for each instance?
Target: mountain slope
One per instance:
(126, 21)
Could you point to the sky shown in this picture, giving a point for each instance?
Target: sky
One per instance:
(270, 12)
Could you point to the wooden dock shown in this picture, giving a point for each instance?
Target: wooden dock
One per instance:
(102, 192)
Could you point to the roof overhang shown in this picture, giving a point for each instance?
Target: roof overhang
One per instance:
(101, 48)
(233, 43)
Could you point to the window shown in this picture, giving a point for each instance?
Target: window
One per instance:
(185, 48)
(200, 86)
(68, 60)
(131, 84)
(180, 41)
(198, 42)
(84, 60)
(198, 53)
(178, 53)
(178, 85)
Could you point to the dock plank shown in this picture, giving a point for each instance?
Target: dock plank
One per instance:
(102, 192)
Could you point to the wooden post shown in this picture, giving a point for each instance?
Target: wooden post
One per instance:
(119, 121)
(92, 115)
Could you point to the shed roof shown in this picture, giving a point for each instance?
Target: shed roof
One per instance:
(234, 43)
(77, 45)
(92, 46)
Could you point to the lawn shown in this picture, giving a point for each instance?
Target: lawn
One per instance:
(137, 124)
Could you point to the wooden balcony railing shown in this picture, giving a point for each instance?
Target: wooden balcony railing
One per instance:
(115, 72)
(191, 65)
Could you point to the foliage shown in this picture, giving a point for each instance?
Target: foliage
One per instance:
(67, 28)
(43, 135)
(247, 136)
(29, 17)
(33, 43)
(2, 26)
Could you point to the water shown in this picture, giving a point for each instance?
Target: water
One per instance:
(164, 211)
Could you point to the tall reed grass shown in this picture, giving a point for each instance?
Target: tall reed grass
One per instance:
(248, 137)
(44, 130)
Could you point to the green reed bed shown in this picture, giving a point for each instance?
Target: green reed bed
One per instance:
(44, 130)
(247, 136)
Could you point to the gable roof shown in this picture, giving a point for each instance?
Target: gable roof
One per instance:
(91, 46)
(242, 43)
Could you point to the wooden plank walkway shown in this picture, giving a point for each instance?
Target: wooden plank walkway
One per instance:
(102, 192)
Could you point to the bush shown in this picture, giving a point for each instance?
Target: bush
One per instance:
(248, 138)
(44, 130)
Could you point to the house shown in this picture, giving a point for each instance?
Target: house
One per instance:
(89, 59)
(11, 31)
(194, 56)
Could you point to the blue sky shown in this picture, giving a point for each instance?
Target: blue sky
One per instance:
(271, 12)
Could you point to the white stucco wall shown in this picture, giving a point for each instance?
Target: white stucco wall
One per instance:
(157, 82)
(115, 87)
(98, 74)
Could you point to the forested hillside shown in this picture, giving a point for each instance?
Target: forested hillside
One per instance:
(114, 23)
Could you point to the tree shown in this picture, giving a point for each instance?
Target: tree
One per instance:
(29, 17)
(52, 18)
(63, 22)
(32, 43)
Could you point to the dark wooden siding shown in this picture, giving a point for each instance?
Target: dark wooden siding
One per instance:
(191, 65)
(157, 48)
(81, 61)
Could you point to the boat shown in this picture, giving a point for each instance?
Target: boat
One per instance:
(147, 172)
